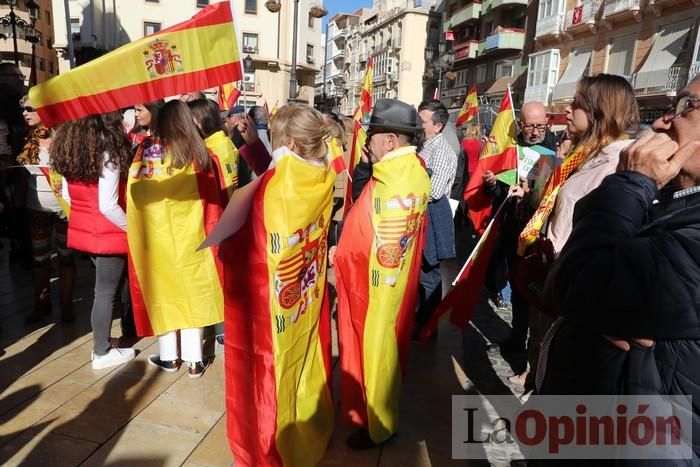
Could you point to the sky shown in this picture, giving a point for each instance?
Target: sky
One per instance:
(344, 6)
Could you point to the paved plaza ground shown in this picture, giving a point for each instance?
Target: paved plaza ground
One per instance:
(55, 410)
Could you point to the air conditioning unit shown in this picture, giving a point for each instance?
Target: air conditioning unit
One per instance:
(310, 59)
(250, 49)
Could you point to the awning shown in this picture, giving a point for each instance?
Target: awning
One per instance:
(578, 62)
(500, 85)
(663, 55)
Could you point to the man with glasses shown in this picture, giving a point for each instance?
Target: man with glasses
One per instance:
(534, 130)
(631, 271)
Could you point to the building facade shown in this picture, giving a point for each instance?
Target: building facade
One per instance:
(33, 48)
(394, 34)
(98, 27)
(332, 77)
(487, 39)
(652, 43)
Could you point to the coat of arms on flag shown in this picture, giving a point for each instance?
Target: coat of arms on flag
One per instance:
(162, 58)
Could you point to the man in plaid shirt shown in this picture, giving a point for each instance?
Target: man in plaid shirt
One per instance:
(441, 162)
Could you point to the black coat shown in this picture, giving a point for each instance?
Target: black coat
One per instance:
(629, 269)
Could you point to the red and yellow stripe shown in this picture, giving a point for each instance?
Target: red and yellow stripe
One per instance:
(203, 53)
(377, 270)
(470, 109)
(277, 326)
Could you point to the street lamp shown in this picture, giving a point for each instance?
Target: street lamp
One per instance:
(441, 62)
(11, 19)
(274, 6)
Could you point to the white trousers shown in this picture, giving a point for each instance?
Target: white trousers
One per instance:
(190, 345)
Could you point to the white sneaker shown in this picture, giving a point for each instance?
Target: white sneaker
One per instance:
(115, 356)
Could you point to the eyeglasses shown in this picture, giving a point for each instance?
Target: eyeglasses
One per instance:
(28, 108)
(534, 127)
(684, 105)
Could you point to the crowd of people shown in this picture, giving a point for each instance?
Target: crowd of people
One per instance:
(606, 232)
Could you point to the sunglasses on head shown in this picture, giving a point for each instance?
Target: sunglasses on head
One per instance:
(28, 108)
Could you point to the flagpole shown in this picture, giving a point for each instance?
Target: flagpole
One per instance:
(515, 122)
(474, 250)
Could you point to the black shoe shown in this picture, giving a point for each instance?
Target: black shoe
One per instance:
(197, 369)
(171, 366)
(41, 310)
(360, 440)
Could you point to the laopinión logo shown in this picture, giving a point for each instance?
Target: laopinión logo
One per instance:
(573, 427)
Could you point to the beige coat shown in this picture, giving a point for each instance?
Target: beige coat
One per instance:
(588, 176)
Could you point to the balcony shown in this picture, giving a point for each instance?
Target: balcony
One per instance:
(339, 55)
(550, 26)
(363, 56)
(465, 50)
(513, 39)
(675, 79)
(619, 10)
(582, 18)
(339, 34)
(500, 3)
(468, 13)
(694, 70)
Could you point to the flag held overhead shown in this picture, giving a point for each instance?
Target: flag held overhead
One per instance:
(196, 54)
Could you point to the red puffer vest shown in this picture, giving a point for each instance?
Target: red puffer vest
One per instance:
(88, 229)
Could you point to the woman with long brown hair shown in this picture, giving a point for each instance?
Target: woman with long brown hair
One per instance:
(173, 201)
(603, 110)
(93, 155)
(47, 216)
(146, 120)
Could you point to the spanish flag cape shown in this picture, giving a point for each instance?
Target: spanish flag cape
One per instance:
(170, 212)
(377, 266)
(277, 326)
(225, 156)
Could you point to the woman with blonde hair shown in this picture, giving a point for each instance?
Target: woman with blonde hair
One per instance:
(277, 321)
(472, 146)
(603, 110)
(173, 201)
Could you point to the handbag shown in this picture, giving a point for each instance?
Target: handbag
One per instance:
(530, 272)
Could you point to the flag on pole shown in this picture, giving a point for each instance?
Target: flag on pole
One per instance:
(498, 154)
(228, 96)
(277, 327)
(335, 152)
(267, 110)
(190, 56)
(359, 135)
(470, 109)
(459, 304)
(273, 112)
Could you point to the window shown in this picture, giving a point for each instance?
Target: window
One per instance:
(51, 67)
(75, 25)
(543, 68)
(250, 43)
(49, 42)
(251, 7)
(41, 64)
(202, 3)
(504, 69)
(152, 1)
(48, 17)
(310, 58)
(549, 8)
(249, 81)
(150, 28)
(481, 73)
(311, 21)
(620, 55)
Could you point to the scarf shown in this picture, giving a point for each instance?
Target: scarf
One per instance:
(532, 230)
(30, 152)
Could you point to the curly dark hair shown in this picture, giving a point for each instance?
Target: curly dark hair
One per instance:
(78, 147)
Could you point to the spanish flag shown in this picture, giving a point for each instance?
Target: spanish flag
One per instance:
(498, 154)
(228, 96)
(277, 327)
(359, 135)
(225, 156)
(459, 304)
(470, 109)
(377, 266)
(170, 212)
(197, 54)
